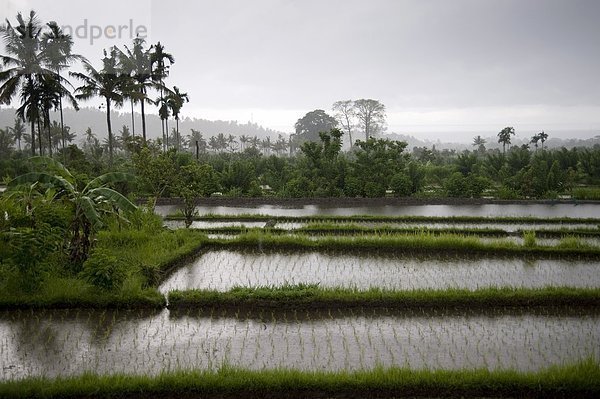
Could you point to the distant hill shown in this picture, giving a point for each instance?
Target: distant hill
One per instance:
(96, 119)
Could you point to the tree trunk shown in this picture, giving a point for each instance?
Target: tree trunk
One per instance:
(32, 137)
(62, 128)
(177, 132)
(40, 136)
(143, 118)
(167, 132)
(49, 131)
(110, 137)
(132, 120)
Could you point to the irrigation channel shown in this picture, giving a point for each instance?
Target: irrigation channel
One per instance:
(69, 342)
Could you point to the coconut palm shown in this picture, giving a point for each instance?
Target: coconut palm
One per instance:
(88, 203)
(107, 83)
(543, 137)
(24, 65)
(160, 70)
(479, 142)
(504, 137)
(18, 130)
(534, 140)
(58, 49)
(136, 62)
(243, 140)
(175, 100)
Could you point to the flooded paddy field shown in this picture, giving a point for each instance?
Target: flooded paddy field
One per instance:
(489, 210)
(508, 227)
(224, 269)
(71, 342)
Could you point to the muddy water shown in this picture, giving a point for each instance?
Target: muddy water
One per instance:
(63, 343)
(222, 270)
(539, 210)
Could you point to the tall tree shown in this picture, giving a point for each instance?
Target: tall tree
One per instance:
(160, 70)
(18, 130)
(534, 140)
(345, 115)
(479, 142)
(137, 63)
(371, 116)
(543, 137)
(58, 48)
(310, 125)
(504, 137)
(106, 83)
(175, 100)
(25, 64)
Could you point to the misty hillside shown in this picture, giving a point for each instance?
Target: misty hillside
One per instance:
(96, 119)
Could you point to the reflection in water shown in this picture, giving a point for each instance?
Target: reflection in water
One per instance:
(491, 210)
(61, 343)
(223, 270)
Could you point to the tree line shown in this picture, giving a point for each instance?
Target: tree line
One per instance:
(34, 71)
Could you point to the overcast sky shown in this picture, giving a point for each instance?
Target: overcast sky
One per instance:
(438, 66)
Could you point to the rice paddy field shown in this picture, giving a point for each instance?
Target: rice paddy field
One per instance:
(472, 269)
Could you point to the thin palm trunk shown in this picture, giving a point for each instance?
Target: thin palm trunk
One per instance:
(177, 131)
(110, 137)
(40, 136)
(62, 128)
(48, 130)
(32, 137)
(132, 120)
(143, 118)
(167, 131)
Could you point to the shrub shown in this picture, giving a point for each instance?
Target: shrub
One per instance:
(104, 270)
(402, 185)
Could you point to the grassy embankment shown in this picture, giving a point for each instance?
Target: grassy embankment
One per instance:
(314, 297)
(145, 255)
(411, 244)
(339, 229)
(581, 380)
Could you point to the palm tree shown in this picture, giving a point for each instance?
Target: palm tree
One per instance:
(231, 143)
(534, 140)
(504, 137)
(88, 203)
(24, 65)
(136, 62)
(243, 140)
(57, 46)
(163, 113)
(160, 70)
(543, 137)
(479, 142)
(266, 145)
(107, 83)
(175, 100)
(255, 142)
(18, 130)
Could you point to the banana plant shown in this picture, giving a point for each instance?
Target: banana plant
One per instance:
(88, 203)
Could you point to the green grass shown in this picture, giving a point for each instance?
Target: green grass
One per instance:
(58, 292)
(570, 381)
(417, 243)
(350, 229)
(312, 296)
(394, 219)
(146, 257)
(586, 193)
